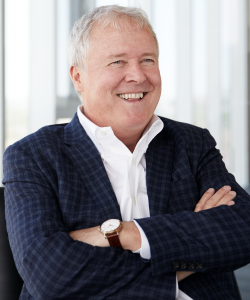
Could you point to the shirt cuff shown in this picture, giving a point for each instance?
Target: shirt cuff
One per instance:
(144, 251)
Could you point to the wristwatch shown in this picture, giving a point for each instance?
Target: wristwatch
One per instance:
(110, 230)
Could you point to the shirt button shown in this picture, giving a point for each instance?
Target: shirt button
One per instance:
(134, 200)
(103, 132)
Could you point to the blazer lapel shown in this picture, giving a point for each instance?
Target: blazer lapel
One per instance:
(89, 165)
(159, 164)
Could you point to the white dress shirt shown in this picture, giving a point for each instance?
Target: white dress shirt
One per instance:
(127, 174)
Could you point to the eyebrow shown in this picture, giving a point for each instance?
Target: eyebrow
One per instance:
(150, 54)
(117, 55)
(124, 54)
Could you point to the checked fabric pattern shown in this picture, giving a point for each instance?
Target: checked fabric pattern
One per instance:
(55, 182)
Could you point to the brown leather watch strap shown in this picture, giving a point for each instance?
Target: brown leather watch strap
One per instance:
(114, 240)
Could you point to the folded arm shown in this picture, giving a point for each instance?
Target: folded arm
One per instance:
(130, 237)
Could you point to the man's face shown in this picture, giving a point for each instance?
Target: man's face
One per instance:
(121, 63)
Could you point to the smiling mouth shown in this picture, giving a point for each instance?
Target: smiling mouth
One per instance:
(132, 96)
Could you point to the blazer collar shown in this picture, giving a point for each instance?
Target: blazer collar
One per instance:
(159, 160)
(89, 165)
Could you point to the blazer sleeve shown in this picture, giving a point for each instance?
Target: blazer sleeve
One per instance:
(51, 263)
(213, 240)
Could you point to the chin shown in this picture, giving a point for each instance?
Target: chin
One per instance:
(135, 122)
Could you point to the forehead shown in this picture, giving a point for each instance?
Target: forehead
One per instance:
(127, 38)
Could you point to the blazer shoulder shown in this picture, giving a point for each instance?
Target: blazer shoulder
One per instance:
(181, 130)
(187, 136)
(35, 152)
(42, 145)
(44, 137)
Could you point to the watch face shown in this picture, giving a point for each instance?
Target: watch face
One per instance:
(110, 225)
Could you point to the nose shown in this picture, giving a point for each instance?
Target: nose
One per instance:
(135, 73)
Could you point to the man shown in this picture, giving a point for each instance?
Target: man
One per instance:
(116, 160)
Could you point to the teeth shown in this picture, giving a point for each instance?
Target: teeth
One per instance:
(131, 96)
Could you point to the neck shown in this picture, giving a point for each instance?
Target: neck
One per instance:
(129, 141)
(129, 138)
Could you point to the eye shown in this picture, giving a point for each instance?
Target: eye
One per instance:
(118, 62)
(148, 60)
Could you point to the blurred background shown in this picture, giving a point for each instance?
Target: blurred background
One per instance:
(204, 48)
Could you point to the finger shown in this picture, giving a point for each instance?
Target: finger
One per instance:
(227, 199)
(207, 195)
(212, 202)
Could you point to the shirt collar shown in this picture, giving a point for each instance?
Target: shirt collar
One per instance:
(154, 126)
(88, 126)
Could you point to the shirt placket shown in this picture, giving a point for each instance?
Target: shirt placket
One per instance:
(136, 180)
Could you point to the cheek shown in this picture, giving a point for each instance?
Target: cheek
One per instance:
(154, 78)
(111, 79)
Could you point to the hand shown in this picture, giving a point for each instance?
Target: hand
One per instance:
(130, 236)
(210, 199)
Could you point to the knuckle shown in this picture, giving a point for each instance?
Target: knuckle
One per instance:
(225, 189)
(210, 191)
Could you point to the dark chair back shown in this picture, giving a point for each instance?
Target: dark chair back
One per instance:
(10, 281)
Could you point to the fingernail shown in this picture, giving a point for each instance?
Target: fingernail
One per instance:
(226, 187)
(210, 190)
(232, 193)
(231, 203)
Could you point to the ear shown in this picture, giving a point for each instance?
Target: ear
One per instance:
(76, 77)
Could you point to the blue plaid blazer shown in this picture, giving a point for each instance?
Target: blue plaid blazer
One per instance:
(56, 182)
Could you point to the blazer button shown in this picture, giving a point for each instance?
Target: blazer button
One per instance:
(183, 265)
(191, 265)
(199, 266)
(175, 265)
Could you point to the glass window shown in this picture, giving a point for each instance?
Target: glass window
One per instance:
(17, 69)
(67, 13)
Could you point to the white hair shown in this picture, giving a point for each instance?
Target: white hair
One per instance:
(79, 38)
